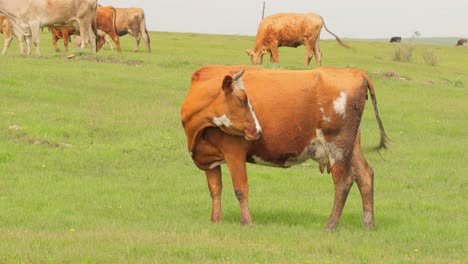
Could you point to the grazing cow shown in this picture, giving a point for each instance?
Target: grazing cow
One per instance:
(31, 15)
(8, 30)
(105, 25)
(395, 39)
(289, 30)
(132, 21)
(462, 42)
(299, 114)
(62, 33)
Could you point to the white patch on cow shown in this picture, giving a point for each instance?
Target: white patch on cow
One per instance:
(239, 84)
(340, 104)
(257, 124)
(325, 153)
(191, 154)
(324, 117)
(222, 121)
(216, 164)
(260, 161)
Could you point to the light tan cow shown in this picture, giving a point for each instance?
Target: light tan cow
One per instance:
(31, 15)
(8, 30)
(132, 21)
(299, 115)
(289, 30)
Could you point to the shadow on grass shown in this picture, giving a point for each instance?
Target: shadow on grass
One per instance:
(309, 219)
(286, 217)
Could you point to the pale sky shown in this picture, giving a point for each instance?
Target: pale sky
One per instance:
(347, 19)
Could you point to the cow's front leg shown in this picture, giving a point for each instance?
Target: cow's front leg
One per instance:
(274, 57)
(343, 181)
(235, 156)
(215, 185)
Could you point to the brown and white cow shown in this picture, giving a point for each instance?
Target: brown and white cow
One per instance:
(301, 115)
(62, 33)
(289, 30)
(30, 15)
(8, 30)
(132, 21)
(462, 42)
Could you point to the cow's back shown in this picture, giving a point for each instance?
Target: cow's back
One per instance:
(289, 29)
(128, 19)
(291, 105)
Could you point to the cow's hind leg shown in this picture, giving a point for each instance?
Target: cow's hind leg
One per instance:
(215, 185)
(343, 181)
(317, 53)
(365, 180)
(7, 43)
(309, 53)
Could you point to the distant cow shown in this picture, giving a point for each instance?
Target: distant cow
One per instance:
(103, 24)
(106, 18)
(289, 30)
(280, 118)
(132, 21)
(62, 33)
(462, 42)
(8, 30)
(395, 39)
(31, 15)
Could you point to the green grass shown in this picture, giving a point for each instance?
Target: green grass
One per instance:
(94, 165)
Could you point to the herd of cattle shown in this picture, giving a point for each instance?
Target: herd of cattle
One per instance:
(240, 114)
(23, 19)
(460, 42)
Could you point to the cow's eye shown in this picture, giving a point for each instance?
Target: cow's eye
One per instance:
(243, 101)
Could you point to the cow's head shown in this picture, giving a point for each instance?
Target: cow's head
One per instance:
(233, 111)
(256, 57)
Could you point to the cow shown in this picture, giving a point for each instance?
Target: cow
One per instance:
(462, 42)
(62, 33)
(395, 39)
(8, 30)
(31, 15)
(289, 30)
(105, 25)
(132, 21)
(294, 116)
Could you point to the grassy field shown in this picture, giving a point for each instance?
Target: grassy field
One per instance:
(94, 166)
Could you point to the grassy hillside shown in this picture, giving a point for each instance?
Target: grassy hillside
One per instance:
(94, 165)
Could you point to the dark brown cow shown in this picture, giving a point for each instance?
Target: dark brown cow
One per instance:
(462, 42)
(62, 33)
(289, 30)
(132, 21)
(395, 39)
(302, 114)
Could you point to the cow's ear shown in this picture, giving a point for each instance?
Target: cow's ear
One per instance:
(227, 84)
(249, 52)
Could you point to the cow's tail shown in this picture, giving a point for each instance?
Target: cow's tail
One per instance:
(383, 136)
(336, 37)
